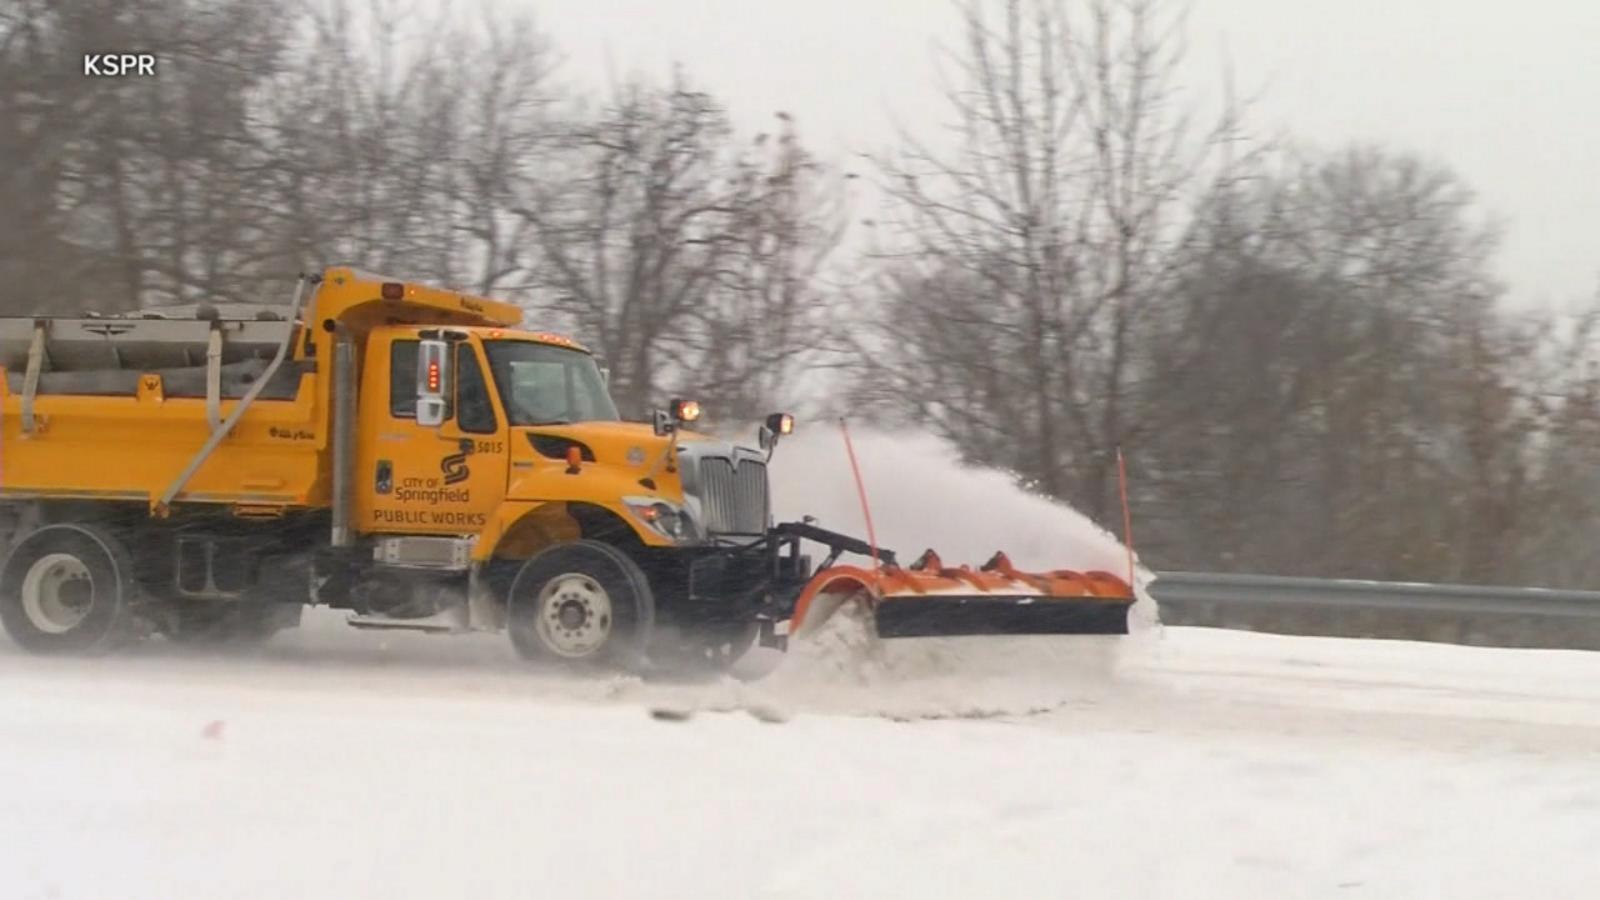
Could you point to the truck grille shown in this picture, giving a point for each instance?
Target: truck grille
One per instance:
(734, 497)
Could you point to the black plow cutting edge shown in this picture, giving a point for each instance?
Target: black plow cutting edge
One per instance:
(954, 615)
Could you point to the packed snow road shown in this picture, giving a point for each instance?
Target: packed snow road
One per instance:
(1189, 763)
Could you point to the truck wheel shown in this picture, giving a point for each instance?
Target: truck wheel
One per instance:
(584, 605)
(67, 588)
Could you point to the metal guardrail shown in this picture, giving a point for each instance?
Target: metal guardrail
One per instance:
(1278, 591)
(1462, 614)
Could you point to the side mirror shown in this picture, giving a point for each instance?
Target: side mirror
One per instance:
(433, 383)
(661, 421)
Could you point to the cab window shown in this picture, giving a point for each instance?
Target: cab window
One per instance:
(541, 384)
(403, 379)
(474, 410)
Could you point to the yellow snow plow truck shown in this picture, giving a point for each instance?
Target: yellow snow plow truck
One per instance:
(410, 455)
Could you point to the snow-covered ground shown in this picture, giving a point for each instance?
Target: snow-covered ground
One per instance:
(1195, 763)
(1175, 763)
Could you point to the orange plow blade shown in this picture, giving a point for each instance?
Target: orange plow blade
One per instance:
(930, 599)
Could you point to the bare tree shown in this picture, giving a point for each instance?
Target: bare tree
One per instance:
(39, 119)
(1561, 500)
(1334, 388)
(138, 190)
(1029, 257)
(771, 313)
(400, 141)
(275, 137)
(689, 259)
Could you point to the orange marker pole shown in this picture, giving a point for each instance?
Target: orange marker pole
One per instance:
(1127, 516)
(861, 491)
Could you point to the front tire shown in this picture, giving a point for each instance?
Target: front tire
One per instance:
(583, 605)
(67, 588)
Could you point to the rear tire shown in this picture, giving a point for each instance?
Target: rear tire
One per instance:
(68, 588)
(584, 605)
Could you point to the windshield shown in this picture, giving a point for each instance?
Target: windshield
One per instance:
(544, 385)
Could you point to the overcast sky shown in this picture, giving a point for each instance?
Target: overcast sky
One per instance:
(1507, 93)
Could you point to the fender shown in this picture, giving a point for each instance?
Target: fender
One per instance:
(549, 484)
(517, 529)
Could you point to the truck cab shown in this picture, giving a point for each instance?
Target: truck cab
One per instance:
(524, 418)
(483, 446)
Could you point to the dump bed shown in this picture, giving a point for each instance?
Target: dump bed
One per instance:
(118, 405)
(102, 355)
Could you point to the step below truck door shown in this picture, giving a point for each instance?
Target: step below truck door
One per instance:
(417, 480)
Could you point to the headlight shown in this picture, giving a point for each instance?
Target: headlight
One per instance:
(664, 518)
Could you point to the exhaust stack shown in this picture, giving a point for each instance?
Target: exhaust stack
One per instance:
(344, 433)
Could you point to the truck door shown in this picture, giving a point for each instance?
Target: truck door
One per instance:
(418, 480)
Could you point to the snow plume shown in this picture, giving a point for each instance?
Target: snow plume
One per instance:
(923, 496)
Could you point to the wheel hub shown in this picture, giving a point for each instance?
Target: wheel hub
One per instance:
(57, 593)
(574, 615)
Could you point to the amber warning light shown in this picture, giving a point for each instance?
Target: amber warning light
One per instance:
(433, 375)
(686, 410)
